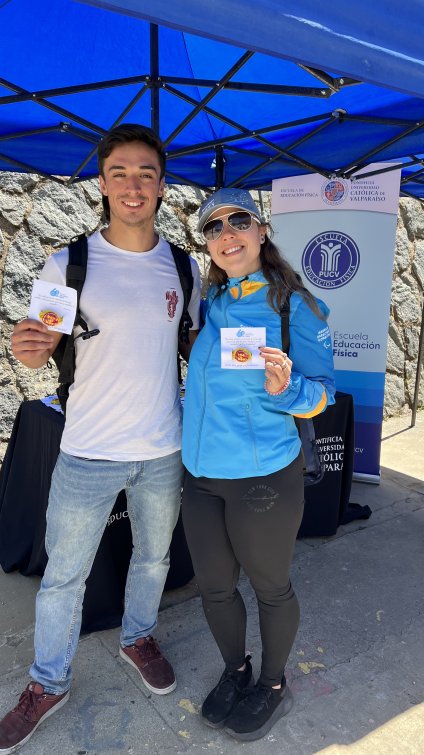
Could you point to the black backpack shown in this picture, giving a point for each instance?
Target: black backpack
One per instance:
(312, 469)
(64, 355)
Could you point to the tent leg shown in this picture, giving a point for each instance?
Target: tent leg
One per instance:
(154, 75)
(261, 203)
(418, 375)
(219, 167)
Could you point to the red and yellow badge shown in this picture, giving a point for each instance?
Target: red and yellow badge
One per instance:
(241, 354)
(50, 318)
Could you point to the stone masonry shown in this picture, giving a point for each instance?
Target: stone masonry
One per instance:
(38, 216)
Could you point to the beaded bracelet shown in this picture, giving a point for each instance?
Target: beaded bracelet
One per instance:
(278, 393)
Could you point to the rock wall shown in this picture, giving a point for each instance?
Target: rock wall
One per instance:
(38, 215)
(406, 310)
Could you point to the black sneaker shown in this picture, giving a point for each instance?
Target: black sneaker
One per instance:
(227, 693)
(258, 711)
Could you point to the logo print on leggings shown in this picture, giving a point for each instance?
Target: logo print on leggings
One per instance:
(260, 498)
(172, 301)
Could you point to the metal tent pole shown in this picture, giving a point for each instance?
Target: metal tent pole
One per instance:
(154, 74)
(418, 375)
(261, 202)
(219, 167)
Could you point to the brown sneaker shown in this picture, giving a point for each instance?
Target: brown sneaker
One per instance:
(155, 671)
(20, 723)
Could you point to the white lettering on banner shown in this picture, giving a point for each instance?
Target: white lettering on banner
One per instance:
(116, 517)
(331, 453)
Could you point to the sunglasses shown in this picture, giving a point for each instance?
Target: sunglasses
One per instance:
(238, 221)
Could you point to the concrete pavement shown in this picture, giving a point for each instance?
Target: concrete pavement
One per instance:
(356, 671)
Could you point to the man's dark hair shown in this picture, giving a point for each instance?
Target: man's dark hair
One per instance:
(126, 133)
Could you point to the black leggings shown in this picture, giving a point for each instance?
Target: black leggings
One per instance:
(252, 523)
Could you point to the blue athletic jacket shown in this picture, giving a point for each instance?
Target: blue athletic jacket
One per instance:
(232, 427)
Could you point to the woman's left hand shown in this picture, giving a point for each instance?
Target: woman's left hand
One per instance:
(278, 368)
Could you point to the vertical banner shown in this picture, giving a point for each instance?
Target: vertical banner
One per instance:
(340, 236)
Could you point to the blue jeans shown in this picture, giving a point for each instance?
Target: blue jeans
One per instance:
(82, 495)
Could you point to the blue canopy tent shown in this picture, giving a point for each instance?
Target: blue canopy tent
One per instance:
(228, 116)
(240, 91)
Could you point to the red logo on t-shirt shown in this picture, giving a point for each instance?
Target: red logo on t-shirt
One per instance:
(172, 301)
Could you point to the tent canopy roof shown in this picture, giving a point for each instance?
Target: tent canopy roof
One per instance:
(228, 113)
(374, 42)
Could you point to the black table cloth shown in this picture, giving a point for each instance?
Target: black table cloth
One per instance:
(327, 502)
(24, 488)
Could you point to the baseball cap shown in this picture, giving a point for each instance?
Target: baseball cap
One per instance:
(228, 197)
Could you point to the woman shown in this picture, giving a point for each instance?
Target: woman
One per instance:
(243, 492)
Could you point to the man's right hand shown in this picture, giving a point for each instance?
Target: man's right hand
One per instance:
(33, 343)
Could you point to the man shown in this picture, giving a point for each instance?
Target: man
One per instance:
(122, 429)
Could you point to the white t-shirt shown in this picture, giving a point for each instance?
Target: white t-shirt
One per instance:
(124, 404)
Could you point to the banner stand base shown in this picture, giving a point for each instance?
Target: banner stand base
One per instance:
(373, 479)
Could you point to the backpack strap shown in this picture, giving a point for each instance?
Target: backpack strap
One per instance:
(285, 330)
(312, 471)
(185, 274)
(76, 271)
(64, 355)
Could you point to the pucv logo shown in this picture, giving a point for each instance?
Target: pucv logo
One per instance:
(335, 192)
(330, 259)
